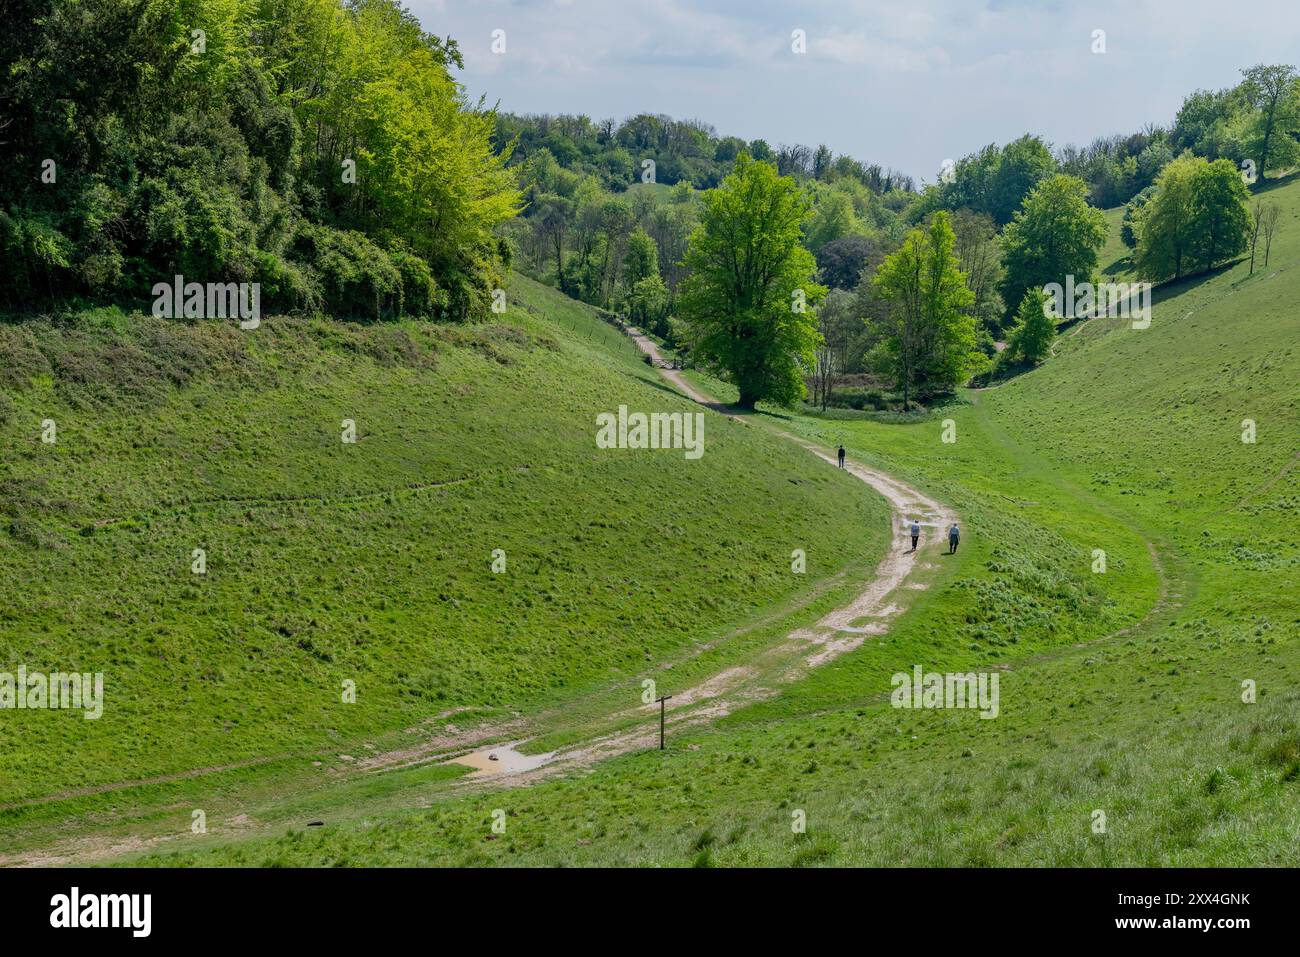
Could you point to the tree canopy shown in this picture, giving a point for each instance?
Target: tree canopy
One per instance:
(1033, 330)
(321, 148)
(1196, 217)
(1055, 234)
(926, 338)
(749, 291)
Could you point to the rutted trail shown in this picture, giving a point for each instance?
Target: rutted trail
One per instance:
(490, 748)
(837, 633)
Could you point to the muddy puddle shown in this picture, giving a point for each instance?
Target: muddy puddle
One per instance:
(502, 759)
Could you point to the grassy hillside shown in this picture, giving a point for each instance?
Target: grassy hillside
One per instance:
(1122, 691)
(1114, 258)
(369, 562)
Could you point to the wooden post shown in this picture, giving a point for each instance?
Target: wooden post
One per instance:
(662, 706)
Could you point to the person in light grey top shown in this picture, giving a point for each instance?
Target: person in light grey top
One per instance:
(954, 536)
(916, 533)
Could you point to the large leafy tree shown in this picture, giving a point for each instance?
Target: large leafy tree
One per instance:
(980, 258)
(926, 338)
(1164, 223)
(1220, 220)
(1274, 91)
(1196, 218)
(1024, 164)
(1054, 235)
(641, 261)
(750, 290)
(1033, 330)
(841, 261)
(646, 298)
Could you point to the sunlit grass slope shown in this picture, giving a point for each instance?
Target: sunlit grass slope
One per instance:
(369, 562)
(1124, 692)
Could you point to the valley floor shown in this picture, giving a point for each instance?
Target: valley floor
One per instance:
(512, 753)
(1127, 570)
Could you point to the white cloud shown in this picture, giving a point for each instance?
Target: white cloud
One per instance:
(901, 82)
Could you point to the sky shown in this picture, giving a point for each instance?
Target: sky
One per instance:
(907, 84)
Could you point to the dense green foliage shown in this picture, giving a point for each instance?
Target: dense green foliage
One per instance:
(320, 148)
(1121, 690)
(681, 150)
(1116, 168)
(993, 181)
(1195, 218)
(840, 262)
(1056, 234)
(927, 336)
(1128, 224)
(1257, 120)
(1017, 225)
(591, 187)
(749, 295)
(1034, 329)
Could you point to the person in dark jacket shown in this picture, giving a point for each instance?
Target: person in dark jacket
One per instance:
(841, 456)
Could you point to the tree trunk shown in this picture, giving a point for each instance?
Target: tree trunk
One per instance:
(1268, 136)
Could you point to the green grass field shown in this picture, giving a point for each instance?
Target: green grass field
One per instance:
(1121, 691)
(368, 562)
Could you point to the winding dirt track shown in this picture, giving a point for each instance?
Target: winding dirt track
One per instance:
(839, 632)
(490, 749)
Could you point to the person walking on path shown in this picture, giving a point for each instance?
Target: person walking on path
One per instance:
(954, 536)
(916, 533)
(841, 456)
